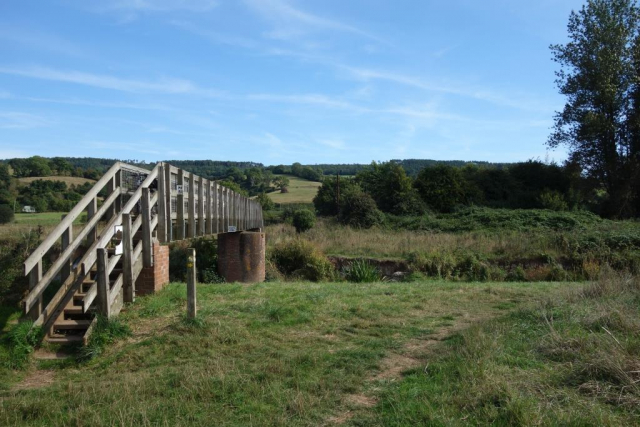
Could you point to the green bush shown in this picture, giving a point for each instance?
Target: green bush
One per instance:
(13, 252)
(362, 271)
(21, 340)
(299, 258)
(303, 220)
(359, 210)
(206, 259)
(266, 202)
(553, 200)
(6, 214)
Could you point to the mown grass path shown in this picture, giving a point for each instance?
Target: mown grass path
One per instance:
(300, 354)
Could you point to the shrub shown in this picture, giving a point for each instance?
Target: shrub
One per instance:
(358, 209)
(552, 200)
(206, 259)
(13, 252)
(362, 271)
(21, 340)
(266, 202)
(6, 214)
(301, 259)
(303, 220)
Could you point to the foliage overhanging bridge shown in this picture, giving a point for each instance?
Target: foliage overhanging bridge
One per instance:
(129, 208)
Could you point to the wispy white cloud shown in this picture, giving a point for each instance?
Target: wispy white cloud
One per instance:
(337, 144)
(40, 40)
(483, 94)
(163, 85)
(164, 5)
(214, 36)
(291, 22)
(136, 147)
(90, 103)
(20, 120)
(308, 99)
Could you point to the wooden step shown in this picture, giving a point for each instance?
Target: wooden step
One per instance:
(64, 339)
(73, 309)
(71, 324)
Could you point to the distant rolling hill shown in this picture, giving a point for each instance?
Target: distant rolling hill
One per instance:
(69, 180)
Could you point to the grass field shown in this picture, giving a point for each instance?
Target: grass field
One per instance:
(300, 191)
(69, 180)
(24, 222)
(305, 354)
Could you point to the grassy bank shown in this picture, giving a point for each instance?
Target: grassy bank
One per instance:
(267, 354)
(487, 244)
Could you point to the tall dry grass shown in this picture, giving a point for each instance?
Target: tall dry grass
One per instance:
(335, 239)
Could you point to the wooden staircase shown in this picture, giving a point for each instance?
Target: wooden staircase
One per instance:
(127, 209)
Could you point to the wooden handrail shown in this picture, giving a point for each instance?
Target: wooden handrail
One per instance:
(66, 254)
(57, 232)
(90, 256)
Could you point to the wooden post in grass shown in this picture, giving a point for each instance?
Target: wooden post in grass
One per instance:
(191, 283)
(104, 307)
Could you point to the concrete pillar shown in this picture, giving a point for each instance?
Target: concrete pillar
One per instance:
(241, 256)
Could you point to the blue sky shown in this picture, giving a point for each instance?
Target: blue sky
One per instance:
(279, 81)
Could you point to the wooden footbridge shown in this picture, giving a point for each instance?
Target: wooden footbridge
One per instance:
(96, 266)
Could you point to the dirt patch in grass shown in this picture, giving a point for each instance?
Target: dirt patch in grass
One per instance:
(413, 354)
(36, 379)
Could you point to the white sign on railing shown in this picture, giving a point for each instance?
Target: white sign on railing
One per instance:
(117, 239)
(232, 229)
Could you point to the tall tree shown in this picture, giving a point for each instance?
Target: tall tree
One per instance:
(600, 122)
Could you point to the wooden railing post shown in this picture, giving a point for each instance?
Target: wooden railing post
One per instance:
(214, 208)
(245, 212)
(162, 213)
(118, 184)
(221, 224)
(191, 231)
(191, 283)
(147, 250)
(209, 208)
(35, 275)
(111, 186)
(127, 259)
(201, 202)
(66, 239)
(180, 207)
(234, 207)
(168, 210)
(104, 307)
(92, 208)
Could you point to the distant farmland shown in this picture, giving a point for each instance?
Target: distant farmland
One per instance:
(69, 180)
(300, 191)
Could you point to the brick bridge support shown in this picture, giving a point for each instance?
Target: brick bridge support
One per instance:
(241, 256)
(154, 278)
